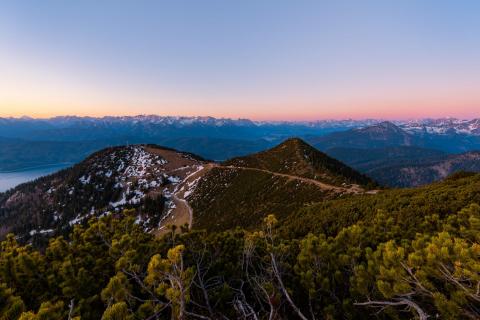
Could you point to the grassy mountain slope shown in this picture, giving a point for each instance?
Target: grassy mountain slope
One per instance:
(228, 197)
(295, 157)
(292, 175)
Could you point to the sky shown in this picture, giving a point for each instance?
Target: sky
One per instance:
(258, 59)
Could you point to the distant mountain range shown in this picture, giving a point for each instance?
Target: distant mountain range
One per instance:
(443, 126)
(89, 128)
(402, 157)
(388, 134)
(153, 124)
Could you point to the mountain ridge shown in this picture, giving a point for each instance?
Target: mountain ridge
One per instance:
(388, 134)
(384, 134)
(294, 156)
(159, 183)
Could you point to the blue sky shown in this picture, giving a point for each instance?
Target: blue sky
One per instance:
(256, 59)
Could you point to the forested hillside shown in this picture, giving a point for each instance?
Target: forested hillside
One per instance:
(144, 178)
(393, 255)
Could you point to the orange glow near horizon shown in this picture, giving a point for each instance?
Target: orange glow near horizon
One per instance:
(391, 110)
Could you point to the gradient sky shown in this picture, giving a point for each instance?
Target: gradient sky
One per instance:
(291, 60)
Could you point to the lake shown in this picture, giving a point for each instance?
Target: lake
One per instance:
(11, 179)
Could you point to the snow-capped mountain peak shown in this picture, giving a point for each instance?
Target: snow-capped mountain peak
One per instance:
(443, 126)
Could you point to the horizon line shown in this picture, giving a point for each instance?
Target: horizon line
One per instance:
(320, 119)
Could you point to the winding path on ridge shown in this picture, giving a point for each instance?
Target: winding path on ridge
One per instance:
(354, 188)
(182, 214)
